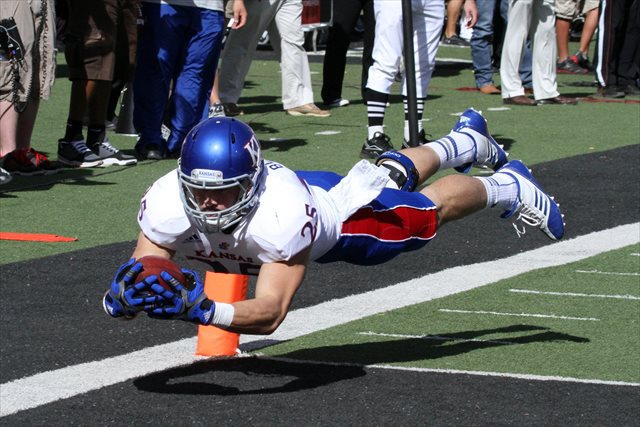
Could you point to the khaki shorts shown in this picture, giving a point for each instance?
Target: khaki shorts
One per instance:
(569, 9)
(36, 73)
(91, 38)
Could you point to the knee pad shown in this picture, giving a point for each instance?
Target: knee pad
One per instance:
(402, 171)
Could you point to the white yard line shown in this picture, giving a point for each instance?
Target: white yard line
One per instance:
(573, 294)
(611, 273)
(46, 387)
(509, 375)
(499, 313)
(528, 377)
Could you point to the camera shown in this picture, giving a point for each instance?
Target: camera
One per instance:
(10, 42)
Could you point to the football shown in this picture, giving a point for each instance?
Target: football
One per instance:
(155, 265)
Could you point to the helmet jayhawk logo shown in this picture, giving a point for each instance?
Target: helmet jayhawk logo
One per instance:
(253, 147)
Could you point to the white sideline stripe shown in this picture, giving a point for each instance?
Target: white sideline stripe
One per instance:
(435, 338)
(615, 273)
(46, 387)
(507, 375)
(457, 372)
(498, 313)
(573, 294)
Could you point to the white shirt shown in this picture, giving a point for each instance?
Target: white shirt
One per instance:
(289, 217)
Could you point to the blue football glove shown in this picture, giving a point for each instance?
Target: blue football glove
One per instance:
(180, 303)
(125, 299)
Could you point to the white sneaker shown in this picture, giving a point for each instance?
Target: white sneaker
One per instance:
(110, 155)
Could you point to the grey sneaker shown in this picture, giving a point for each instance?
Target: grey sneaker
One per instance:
(216, 110)
(77, 154)
(110, 155)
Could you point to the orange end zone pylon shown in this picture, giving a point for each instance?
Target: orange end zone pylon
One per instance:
(221, 287)
(35, 237)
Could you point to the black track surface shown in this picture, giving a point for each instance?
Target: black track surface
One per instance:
(51, 318)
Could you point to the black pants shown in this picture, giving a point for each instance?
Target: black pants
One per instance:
(618, 52)
(345, 15)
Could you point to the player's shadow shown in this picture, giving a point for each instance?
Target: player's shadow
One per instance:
(246, 376)
(428, 347)
(506, 143)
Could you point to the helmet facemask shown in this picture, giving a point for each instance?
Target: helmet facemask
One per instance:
(225, 219)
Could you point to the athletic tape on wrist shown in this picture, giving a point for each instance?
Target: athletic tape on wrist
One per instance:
(223, 314)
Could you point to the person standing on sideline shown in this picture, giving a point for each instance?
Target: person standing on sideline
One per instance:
(345, 16)
(428, 18)
(90, 51)
(618, 65)
(27, 73)
(178, 54)
(483, 46)
(533, 19)
(283, 20)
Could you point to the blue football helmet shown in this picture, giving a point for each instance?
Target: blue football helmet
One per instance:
(219, 153)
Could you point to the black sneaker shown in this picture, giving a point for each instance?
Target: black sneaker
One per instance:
(150, 152)
(631, 90)
(77, 154)
(582, 61)
(569, 67)
(380, 143)
(612, 92)
(422, 139)
(232, 110)
(110, 155)
(455, 41)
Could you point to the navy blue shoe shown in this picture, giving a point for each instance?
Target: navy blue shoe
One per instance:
(489, 154)
(533, 206)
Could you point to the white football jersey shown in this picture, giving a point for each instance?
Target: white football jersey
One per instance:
(289, 217)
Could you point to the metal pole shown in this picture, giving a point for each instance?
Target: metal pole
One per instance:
(410, 71)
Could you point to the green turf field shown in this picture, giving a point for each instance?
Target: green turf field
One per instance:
(590, 328)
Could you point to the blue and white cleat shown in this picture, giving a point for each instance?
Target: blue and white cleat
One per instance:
(533, 206)
(489, 154)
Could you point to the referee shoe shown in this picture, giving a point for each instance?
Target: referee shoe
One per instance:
(372, 148)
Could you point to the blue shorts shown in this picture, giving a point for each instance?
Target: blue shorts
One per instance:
(394, 222)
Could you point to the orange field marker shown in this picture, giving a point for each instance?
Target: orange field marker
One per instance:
(228, 288)
(33, 237)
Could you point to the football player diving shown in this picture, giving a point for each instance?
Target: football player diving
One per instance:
(227, 209)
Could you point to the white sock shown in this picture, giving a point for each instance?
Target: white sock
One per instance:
(502, 190)
(371, 130)
(407, 137)
(456, 148)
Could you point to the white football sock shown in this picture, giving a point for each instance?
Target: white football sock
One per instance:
(502, 190)
(371, 131)
(456, 148)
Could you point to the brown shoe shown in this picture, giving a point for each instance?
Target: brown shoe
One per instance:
(489, 89)
(310, 109)
(519, 100)
(562, 100)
